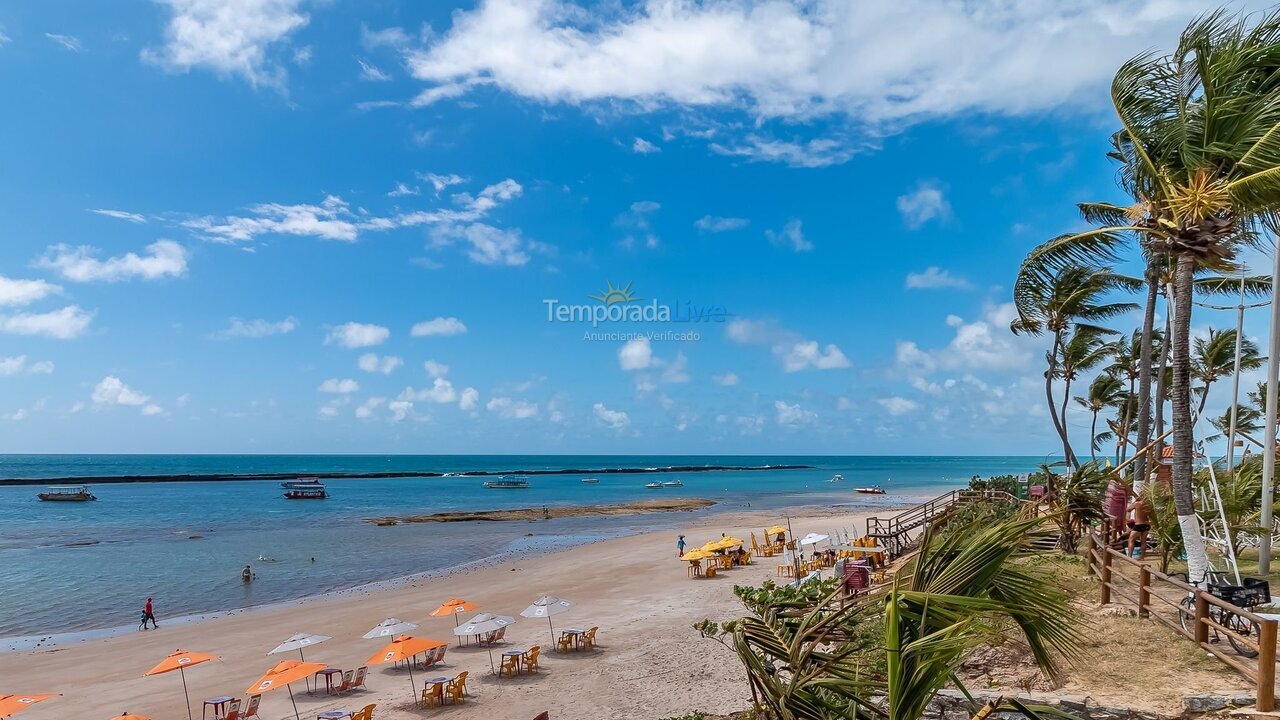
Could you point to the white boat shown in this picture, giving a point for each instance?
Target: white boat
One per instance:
(873, 490)
(673, 483)
(836, 478)
(654, 485)
(590, 481)
(67, 493)
(302, 482)
(505, 483)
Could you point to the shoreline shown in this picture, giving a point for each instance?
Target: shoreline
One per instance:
(227, 477)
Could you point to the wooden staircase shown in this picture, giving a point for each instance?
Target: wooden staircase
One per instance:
(899, 534)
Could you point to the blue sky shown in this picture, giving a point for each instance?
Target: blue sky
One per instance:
(222, 221)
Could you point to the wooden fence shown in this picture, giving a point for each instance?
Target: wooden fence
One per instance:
(1150, 591)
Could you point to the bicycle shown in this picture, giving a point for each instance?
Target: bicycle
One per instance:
(1253, 593)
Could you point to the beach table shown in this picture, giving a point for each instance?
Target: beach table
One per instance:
(328, 674)
(333, 715)
(518, 653)
(437, 688)
(576, 634)
(219, 704)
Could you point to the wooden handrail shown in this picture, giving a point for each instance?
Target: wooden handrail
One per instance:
(1101, 558)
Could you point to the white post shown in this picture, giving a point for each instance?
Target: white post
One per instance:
(1235, 383)
(1269, 440)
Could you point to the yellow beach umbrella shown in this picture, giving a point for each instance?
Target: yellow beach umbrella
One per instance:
(776, 529)
(696, 555)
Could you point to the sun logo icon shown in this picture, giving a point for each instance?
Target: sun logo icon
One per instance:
(612, 295)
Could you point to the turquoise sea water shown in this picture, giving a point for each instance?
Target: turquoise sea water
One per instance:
(184, 543)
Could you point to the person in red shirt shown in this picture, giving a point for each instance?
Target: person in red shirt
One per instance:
(147, 614)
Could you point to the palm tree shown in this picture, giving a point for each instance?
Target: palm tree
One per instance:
(812, 660)
(1057, 304)
(1214, 357)
(1105, 391)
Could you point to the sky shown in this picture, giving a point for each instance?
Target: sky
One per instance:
(306, 226)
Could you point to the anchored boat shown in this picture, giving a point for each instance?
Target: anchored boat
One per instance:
(506, 483)
(67, 493)
(836, 478)
(873, 490)
(673, 483)
(590, 481)
(304, 489)
(654, 485)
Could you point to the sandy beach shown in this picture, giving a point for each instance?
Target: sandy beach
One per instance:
(649, 664)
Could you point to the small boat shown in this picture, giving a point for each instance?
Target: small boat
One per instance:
(590, 481)
(304, 489)
(654, 485)
(506, 483)
(68, 493)
(836, 478)
(873, 490)
(673, 483)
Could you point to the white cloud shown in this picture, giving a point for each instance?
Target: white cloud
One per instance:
(791, 236)
(615, 419)
(341, 387)
(469, 399)
(25, 292)
(440, 182)
(433, 95)
(230, 37)
(815, 153)
(303, 55)
(438, 326)
(441, 391)
(365, 411)
(164, 258)
(371, 72)
(68, 42)
(489, 245)
(927, 202)
(393, 37)
(400, 409)
(357, 335)
(402, 190)
(4, 38)
(111, 390)
(330, 220)
(644, 147)
(121, 215)
(17, 415)
(725, 380)
(65, 324)
(435, 369)
(511, 409)
(370, 362)
(637, 219)
(898, 405)
(259, 328)
(793, 415)
(876, 66)
(152, 410)
(18, 365)
(934, 277)
(636, 354)
(713, 224)
(329, 410)
(984, 344)
(795, 352)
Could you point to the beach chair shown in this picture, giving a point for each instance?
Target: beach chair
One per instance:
(432, 693)
(233, 712)
(430, 658)
(440, 654)
(489, 638)
(457, 688)
(531, 660)
(358, 682)
(345, 685)
(365, 713)
(510, 665)
(565, 643)
(589, 639)
(710, 571)
(252, 710)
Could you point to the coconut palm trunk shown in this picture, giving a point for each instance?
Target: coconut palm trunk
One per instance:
(1161, 391)
(1059, 424)
(1144, 373)
(1183, 440)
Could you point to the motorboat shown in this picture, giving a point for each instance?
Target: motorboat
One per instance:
(590, 481)
(836, 478)
(873, 490)
(301, 482)
(673, 483)
(507, 483)
(654, 485)
(67, 493)
(304, 489)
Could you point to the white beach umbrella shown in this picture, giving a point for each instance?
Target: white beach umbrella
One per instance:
(389, 628)
(813, 539)
(484, 623)
(546, 606)
(298, 642)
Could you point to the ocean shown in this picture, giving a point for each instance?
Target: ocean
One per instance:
(85, 566)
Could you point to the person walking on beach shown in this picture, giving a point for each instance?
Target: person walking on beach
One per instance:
(680, 546)
(149, 615)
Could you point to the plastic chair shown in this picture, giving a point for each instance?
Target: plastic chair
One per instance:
(252, 710)
(457, 687)
(358, 682)
(565, 643)
(531, 660)
(346, 683)
(589, 639)
(432, 693)
(233, 712)
(510, 665)
(365, 713)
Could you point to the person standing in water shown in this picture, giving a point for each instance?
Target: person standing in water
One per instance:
(246, 575)
(149, 615)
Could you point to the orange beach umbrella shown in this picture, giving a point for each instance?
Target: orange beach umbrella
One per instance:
(14, 704)
(454, 607)
(284, 673)
(130, 716)
(180, 660)
(404, 648)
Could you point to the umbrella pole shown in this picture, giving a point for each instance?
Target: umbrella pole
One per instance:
(413, 686)
(456, 623)
(304, 659)
(297, 715)
(185, 694)
(553, 631)
(491, 670)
